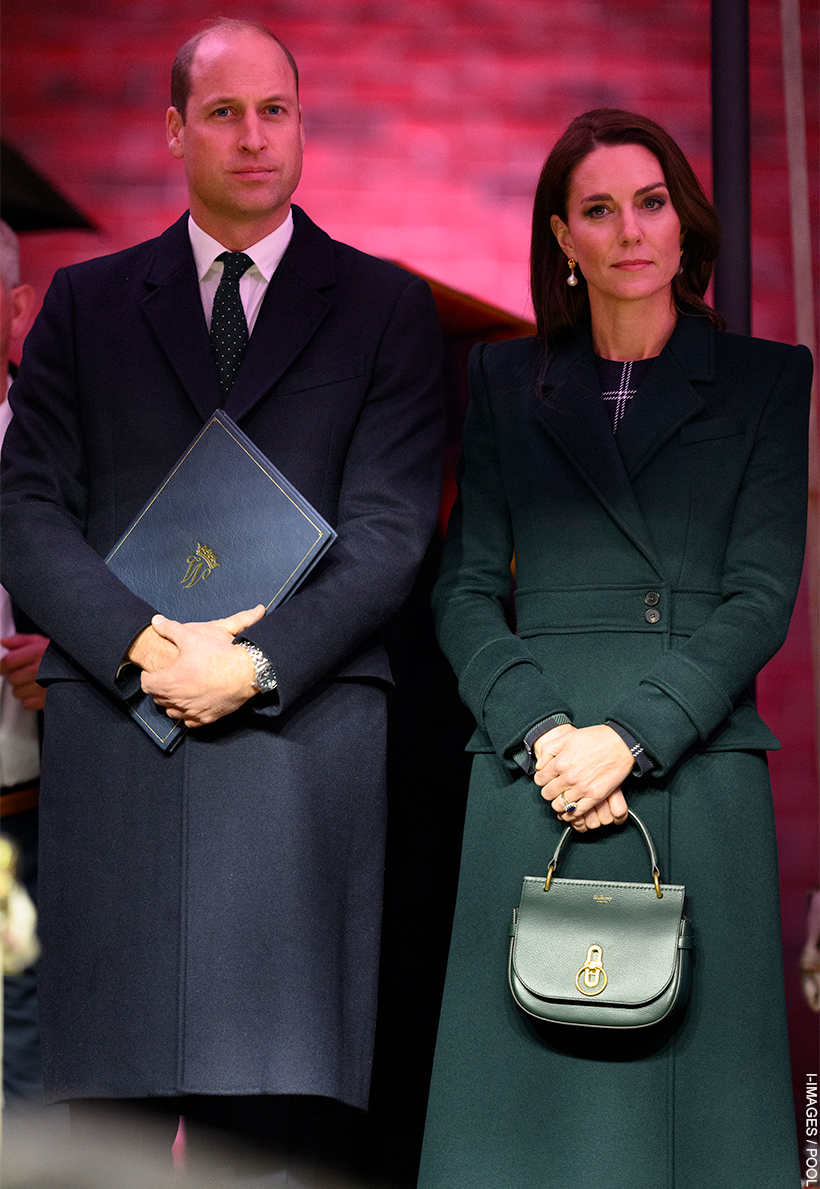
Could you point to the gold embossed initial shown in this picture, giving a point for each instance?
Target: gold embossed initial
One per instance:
(200, 565)
(591, 978)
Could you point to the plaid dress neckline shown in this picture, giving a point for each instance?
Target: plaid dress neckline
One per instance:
(619, 382)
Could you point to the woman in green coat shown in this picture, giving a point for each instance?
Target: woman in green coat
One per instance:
(656, 567)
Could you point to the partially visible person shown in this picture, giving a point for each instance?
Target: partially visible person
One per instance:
(21, 649)
(810, 955)
(647, 471)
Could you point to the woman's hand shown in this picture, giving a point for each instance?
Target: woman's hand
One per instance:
(583, 767)
(611, 812)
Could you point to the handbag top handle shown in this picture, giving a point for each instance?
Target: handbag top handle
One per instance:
(647, 837)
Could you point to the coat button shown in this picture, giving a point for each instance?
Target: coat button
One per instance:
(652, 598)
(652, 615)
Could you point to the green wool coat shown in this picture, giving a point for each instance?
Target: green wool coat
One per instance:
(702, 503)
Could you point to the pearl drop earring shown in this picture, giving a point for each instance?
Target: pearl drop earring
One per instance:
(572, 280)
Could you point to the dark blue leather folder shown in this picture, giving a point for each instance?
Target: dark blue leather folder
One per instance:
(223, 532)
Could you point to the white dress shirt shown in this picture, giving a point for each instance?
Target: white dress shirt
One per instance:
(265, 254)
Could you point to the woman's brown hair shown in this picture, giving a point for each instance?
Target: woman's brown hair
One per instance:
(560, 309)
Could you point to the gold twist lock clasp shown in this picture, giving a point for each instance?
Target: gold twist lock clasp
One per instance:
(591, 978)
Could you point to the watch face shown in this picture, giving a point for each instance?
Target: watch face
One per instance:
(266, 680)
(264, 673)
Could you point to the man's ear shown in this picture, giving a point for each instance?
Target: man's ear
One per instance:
(561, 233)
(21, 300)
(174, 130)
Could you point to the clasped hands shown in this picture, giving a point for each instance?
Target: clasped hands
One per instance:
(194, 670)
(584, 765)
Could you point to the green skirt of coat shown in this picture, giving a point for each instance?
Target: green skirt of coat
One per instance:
(704, 1100)
(655, 576)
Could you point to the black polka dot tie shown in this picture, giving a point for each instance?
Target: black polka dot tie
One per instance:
(229, 330)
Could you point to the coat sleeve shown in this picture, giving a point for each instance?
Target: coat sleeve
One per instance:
(500, 680)
(693, 688)
(52, 571)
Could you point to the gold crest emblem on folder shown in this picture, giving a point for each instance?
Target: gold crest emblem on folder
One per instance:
(200, 565)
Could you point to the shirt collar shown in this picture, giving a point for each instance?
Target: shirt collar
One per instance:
(265, 253)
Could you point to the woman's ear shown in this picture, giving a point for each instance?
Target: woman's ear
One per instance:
(561, 233)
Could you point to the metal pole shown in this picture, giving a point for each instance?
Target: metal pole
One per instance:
(730, 161)
(805, 326)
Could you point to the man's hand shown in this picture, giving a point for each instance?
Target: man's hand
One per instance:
(209, 676)
(19, 666)
(586, 767)
(150, 651)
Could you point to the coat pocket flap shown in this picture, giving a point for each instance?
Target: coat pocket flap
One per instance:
(348, 367)
(479, 742)
(714, 427)
(743, 730)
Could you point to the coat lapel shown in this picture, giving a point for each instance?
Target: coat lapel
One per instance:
(173, 307)
(573, 414)
(291, 313)
(666, 398)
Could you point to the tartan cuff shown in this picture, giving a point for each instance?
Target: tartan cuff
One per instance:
(525, 758)
(643, 764)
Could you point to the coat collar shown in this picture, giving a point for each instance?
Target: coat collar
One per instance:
(666, 399)
(291, 313)
(173, 308)
(572, 412)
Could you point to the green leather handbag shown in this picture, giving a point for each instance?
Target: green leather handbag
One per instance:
(600, 954)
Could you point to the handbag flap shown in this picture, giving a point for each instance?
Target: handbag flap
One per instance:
(622, 927)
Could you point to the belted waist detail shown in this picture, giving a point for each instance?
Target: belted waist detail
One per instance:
(653, 609)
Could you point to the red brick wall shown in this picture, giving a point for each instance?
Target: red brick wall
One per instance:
(427, 122)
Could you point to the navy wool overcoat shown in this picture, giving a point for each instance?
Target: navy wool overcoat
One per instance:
(210, 918)
(696, 512)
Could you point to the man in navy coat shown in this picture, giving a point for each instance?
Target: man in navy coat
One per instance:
(210, 918)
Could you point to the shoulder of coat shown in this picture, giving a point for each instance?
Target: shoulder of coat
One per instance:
(509, 353)
(166, 252)
(758, 361)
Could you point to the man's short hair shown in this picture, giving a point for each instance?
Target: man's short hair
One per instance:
(181, 69)
(9, 257)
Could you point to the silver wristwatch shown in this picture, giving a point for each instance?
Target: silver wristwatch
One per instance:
(265, 676)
